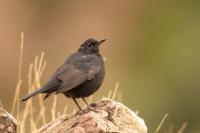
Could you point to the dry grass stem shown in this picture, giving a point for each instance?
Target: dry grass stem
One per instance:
(21, 128)
(21, 56)
(58, 114)
(1, 104)
(182, 128)
(65, 110)
(16, 96)
(90, 99)
(114, 96)
(109, 94)
(33, 127)
(40, 115)
(161, 123)
(53, 109)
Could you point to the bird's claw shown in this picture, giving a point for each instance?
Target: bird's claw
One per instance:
(92, 109)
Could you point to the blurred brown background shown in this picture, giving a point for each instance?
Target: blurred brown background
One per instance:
(152, 49)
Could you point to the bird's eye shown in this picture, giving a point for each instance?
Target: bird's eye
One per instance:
(89, 45)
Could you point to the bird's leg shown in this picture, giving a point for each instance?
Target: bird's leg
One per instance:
(89, 107)
(85, 102)
(77, 104)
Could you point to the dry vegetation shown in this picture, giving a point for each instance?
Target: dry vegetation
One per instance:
(25, 115)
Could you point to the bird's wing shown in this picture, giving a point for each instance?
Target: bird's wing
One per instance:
(71, 76)
(94, 69)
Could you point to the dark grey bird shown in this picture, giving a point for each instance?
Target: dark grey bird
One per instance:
(80, 76)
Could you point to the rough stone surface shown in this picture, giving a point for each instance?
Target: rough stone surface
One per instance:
(8, 124)
(111, 117)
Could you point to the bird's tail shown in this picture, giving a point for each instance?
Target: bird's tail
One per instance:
(48, 88)
(32, 94)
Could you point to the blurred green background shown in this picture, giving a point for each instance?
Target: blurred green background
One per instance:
(152, 49)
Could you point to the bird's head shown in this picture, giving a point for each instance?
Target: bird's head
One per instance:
(91, 46)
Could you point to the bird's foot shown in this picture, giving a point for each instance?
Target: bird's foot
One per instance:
(90, 108)
(82, 111)
(86, 110)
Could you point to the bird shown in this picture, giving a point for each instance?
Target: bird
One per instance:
(81, 75)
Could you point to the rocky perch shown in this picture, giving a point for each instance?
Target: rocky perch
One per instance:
(8, 124)
(110, 117)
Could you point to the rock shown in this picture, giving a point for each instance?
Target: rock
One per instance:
(110, 117)
(8, 123)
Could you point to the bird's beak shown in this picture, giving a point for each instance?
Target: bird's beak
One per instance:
(101, 41)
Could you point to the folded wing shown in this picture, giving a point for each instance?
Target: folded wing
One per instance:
(72, 76)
